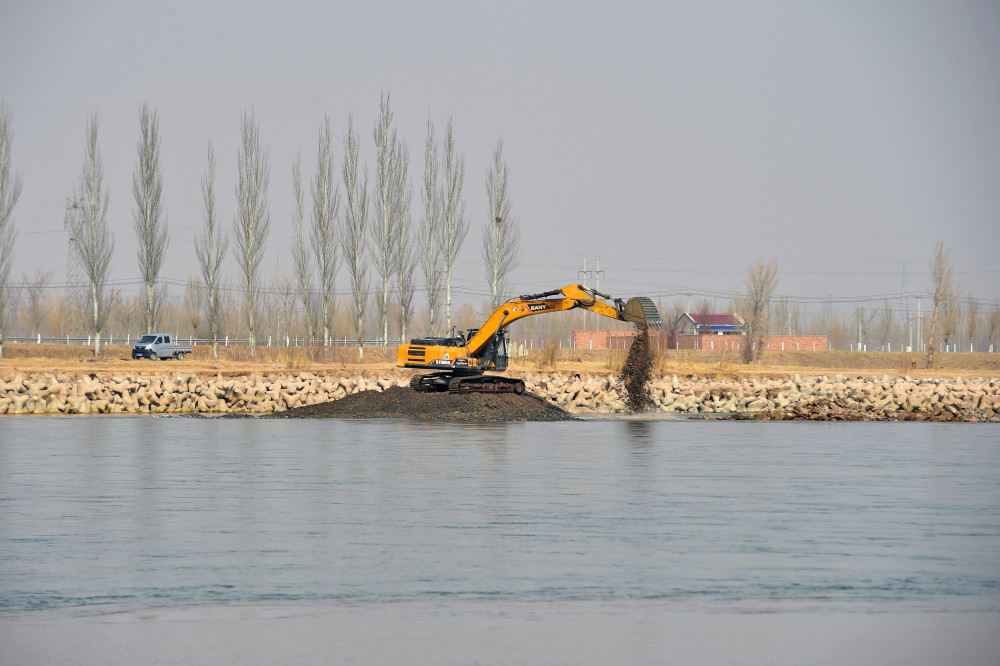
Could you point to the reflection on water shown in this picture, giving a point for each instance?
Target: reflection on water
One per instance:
(137, 512)
(641, 432)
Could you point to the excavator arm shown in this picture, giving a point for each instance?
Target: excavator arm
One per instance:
(638, 310)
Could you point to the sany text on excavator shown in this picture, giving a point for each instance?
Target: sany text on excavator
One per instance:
(460, 361)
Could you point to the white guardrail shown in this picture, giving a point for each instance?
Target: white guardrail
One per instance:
(270, 341)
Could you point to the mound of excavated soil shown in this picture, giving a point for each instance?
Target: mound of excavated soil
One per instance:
(404, 402)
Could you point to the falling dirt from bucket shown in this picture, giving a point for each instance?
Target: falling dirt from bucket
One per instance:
(637, 372)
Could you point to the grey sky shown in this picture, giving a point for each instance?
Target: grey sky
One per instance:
(676, 141)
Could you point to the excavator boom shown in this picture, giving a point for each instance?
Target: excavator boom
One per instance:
(459, 359)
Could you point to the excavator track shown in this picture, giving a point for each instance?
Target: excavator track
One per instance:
(437, 382)
(485, 384)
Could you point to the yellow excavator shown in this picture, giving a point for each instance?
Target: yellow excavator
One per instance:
(461, 360)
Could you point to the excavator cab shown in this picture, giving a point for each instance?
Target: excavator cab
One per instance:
(495, 356)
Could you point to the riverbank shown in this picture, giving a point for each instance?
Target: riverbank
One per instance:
(798, 397)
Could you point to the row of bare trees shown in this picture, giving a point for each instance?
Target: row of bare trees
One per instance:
(40, 309)
(183, 312)
(92, 239)
(945, 320)
(372, 229)
(965, 324)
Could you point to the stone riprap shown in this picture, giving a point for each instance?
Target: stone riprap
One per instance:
(822, 398)
(813, 398)
(186, 394)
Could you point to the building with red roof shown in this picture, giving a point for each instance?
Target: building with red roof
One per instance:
(710, 324)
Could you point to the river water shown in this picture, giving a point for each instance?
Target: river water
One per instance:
(519, 534)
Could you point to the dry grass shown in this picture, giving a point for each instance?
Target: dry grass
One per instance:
(614, 360)
(298, 359)
(548, 357)
(77, 361)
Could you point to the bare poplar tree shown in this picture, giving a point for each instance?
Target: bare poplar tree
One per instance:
(787, 316)
(126, 312)
(300, 254)
(10, 191)
(753, 306)
(148, 220)
(386, 200)
(253, 217)
(951, 320)
(355, 234)
(993, 328)
(779, 314)
(194, 304)
(406, 256)
(971, 320)
(94, 243)
(326, 206)
(211, 250)
(885, 324)
(429, 247)
(864, 321)
(455, 225)
(502, 231)
(941, 279)
(35, 288)
(280, 304)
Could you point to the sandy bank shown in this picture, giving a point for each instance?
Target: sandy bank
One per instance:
(632, 632)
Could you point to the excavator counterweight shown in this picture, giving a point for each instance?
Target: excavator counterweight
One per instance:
(459, 361)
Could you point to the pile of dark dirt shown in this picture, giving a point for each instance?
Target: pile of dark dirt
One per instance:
(403, 402)
(638, 371)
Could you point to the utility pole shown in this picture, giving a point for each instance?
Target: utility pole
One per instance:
(76, 294)
(584, 274)
(860, 315)
(597, 277)
(920, 342)
(903, 295)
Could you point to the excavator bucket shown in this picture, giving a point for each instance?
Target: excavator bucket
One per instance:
(641, 310)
